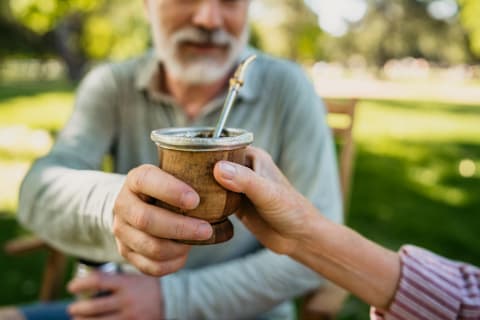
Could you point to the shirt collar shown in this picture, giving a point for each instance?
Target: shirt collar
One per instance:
(147, 78)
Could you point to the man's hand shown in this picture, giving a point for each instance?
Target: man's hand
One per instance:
(132, 297)
(277, 214)
(144, 231)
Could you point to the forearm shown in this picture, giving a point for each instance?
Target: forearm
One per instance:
(71, 209)
(341, 255)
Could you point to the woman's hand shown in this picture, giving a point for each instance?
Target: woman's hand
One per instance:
(276, 213)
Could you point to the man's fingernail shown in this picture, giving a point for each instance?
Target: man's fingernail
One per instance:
(190, 200)
(227, 170)
(204, 230)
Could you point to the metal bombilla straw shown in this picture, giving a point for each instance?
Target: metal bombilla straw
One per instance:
(235, 83)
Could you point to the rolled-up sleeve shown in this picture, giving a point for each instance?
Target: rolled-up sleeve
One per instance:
(64, 198)
(432, 287)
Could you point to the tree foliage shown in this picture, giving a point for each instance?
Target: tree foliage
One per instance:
(390, 29)
(288, 28)
(470, 19)
(77, 31)
(399, 28)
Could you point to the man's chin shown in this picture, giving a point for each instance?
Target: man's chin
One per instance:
(204, 72)
(204, 50)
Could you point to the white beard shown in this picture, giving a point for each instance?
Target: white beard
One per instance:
(200, 69)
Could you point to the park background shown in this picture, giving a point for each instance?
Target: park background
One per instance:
(414, 65)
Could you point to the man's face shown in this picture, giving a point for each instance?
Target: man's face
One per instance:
(198, 40)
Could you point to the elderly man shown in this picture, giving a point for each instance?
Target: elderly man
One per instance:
(105, 216)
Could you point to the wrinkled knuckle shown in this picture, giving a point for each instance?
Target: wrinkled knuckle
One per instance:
(141, 219)
(123, 251)
(139, 176)
(153, 249)
(116, 228)
(161, 269)
(120, 206)
(117, 206)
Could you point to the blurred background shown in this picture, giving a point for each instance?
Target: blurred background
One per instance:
(413, 65)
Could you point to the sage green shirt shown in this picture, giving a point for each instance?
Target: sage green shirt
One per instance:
(68, 201)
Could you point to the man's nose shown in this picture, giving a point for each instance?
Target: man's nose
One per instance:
(208, 14)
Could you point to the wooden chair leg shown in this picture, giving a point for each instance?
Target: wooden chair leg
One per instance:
(53, 275)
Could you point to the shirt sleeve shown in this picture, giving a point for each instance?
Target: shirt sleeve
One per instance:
(432, 287)
(64, 198)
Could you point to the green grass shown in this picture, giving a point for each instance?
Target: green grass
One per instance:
(44, 110)
(407, 186)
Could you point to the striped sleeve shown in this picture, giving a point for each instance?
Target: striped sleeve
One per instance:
(432, 287)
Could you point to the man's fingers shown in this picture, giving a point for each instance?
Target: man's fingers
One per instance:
(152, 181)
(165, 224)
(94, 307)
(96, 281)
(154, 248)
(155, 268)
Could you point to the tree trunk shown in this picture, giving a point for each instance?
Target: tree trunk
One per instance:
(66, 38)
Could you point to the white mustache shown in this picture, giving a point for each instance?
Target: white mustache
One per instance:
(196, 35)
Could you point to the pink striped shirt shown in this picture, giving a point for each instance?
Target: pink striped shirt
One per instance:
(432, 287)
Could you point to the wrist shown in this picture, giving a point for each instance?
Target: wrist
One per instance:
(309, 237)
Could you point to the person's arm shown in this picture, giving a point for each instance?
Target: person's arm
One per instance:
(341, 255)
(414, 284)
(64, 198)
(69, 202)
(287, 223)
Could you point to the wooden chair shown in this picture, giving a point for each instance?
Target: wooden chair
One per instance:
(55, 265)
(56, 261)
(343, 133)
(327, 301)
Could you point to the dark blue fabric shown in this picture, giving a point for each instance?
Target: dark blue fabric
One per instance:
(46, 311)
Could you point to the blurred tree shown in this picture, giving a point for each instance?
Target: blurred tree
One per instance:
(470, 19)
(16, 38)
(400, 28)
(77, 31)
(288, 28)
